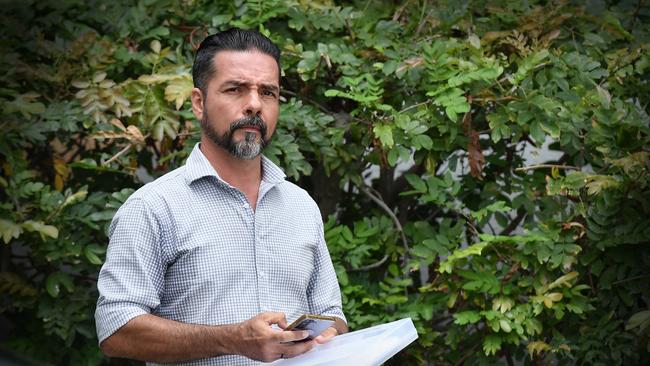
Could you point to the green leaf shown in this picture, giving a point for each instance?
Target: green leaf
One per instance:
(537, 132)
(178, 90)
(476, 249)
(467, 317)
(563, 280)
(505, 325)
(91, 253)
(605, 97)
(75, 198)
(502, 304)
(41, 228)
(491, 344)
(52, 286)
(9, 230)
(54, 282)
(453, 100)
(416, 182)
(639, 320)
(385, 134)
(528, 64)
(597, 183)
(499, 206)
(537, 347)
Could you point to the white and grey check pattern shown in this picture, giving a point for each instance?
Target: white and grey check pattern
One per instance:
(189, 247)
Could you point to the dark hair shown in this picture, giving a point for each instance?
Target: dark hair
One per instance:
(233, 39)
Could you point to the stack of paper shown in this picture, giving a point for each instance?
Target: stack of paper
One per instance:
(367, 347)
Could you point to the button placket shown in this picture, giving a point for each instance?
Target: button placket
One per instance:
(262, 253)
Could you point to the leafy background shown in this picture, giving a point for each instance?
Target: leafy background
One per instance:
(482, 166)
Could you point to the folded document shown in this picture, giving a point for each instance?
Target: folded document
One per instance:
(367, 347)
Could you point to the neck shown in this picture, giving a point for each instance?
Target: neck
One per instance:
(242, 174)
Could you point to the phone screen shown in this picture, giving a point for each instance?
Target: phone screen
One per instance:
(314, 324)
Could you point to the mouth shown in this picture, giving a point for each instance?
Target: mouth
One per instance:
(250, 128)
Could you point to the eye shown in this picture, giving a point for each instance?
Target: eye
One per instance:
(269, 93)
(234, 89)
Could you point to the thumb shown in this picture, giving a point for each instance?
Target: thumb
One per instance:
(275, 318)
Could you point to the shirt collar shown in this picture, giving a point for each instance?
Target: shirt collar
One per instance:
(197, 166)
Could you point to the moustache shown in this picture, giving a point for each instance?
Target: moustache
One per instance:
(252, 121)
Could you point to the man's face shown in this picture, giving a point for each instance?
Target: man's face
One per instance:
(240, 107)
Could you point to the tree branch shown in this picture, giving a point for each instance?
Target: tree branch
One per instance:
(120, 153)
(384, 206)
(629, 279)
(415, 105)
(546, 166)
(514, 223)
(370, 266)
(310, 101)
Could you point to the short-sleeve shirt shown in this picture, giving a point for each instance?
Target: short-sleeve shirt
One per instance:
(188, 247)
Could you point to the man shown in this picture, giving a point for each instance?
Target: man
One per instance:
(204, 263)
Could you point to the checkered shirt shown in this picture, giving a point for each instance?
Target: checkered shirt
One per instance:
(189, 247)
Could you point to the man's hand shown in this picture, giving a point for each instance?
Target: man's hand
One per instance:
(257, 340)
(339, 327)
(327, 335)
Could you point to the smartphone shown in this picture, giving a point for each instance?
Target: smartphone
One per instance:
(314, 324)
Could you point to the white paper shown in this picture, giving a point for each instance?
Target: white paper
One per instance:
(367, 347)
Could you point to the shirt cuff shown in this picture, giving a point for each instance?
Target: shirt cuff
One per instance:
(110, 317)
(335, 312)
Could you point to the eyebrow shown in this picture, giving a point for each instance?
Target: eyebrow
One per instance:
(265, 86)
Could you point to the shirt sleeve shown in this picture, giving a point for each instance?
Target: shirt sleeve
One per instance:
(323, 294)
(131, 280)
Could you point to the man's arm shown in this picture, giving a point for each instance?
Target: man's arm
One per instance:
(155, 339)
(323, 294)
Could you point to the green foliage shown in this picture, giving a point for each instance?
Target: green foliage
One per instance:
(415, 126)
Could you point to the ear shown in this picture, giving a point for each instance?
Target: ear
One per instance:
(197, 103)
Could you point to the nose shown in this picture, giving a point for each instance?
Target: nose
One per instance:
(253, 104)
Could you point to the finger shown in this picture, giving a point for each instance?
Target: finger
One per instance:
(291, 336)
(326, 336)
(282, 323)
(271, 317)
(296, 349)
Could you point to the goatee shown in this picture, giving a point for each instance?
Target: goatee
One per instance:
(249, 148)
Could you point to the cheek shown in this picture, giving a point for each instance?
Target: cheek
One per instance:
(221, 114)
(271, 117)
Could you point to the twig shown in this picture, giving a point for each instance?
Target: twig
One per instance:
(311, 101)
(191, 38)
(120, 153)
(468, 354)
(399, 11)
(350, 31)
(639, 4)
(489, 99)
(390, 213)
(189, 134)
(370, 266)
(508, 357)
(422, 20)
(514, 223)
(469, 222)
(630, 279)
(415, 105)
(545, 166)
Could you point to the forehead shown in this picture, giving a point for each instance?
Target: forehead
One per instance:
(252, 66)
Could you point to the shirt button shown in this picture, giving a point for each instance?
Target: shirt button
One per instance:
(261, 274)
(246, 205)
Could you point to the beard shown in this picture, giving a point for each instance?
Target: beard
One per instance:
(248, 148)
